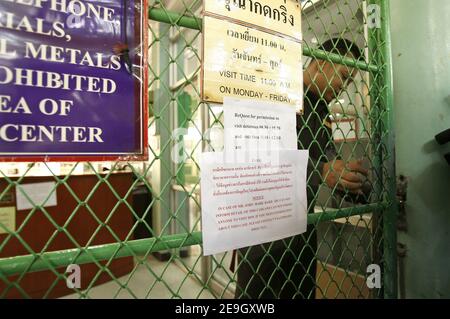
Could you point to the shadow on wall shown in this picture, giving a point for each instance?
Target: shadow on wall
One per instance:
(429, 195)
(425, 237)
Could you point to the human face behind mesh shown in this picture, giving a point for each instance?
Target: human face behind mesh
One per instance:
(331, 79)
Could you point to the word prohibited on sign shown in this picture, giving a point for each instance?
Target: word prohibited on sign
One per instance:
(73, 80)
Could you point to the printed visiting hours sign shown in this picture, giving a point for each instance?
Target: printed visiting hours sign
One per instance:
(252, 49)
(73, 80)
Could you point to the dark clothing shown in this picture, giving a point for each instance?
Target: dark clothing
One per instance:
(315, 134)
(287, 268)
(284, 269)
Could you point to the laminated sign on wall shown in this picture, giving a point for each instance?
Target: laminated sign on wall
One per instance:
(252, 49)
(73, 80)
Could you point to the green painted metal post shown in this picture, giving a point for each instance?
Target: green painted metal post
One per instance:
(388, 139)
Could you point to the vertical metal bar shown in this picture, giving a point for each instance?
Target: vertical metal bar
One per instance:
(206, 262)
(376, 130)
(163, 114)
(390, 216)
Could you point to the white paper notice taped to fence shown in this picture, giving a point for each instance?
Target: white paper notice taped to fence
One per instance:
(254, 124)
(252, 202)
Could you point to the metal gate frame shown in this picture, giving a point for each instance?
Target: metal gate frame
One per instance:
(385, 208)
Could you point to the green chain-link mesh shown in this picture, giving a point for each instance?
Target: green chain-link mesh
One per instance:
(166, 260)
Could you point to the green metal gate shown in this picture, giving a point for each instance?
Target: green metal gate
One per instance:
(157, 252)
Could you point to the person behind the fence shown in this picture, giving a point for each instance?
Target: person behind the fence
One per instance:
(287, 268)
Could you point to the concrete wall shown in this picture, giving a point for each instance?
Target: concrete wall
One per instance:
(421, 55)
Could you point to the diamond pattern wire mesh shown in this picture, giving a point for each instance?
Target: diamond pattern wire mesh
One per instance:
(345, 235)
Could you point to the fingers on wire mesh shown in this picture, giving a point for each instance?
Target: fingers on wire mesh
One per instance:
(357, 166)
(352, 177)
(350, 186)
